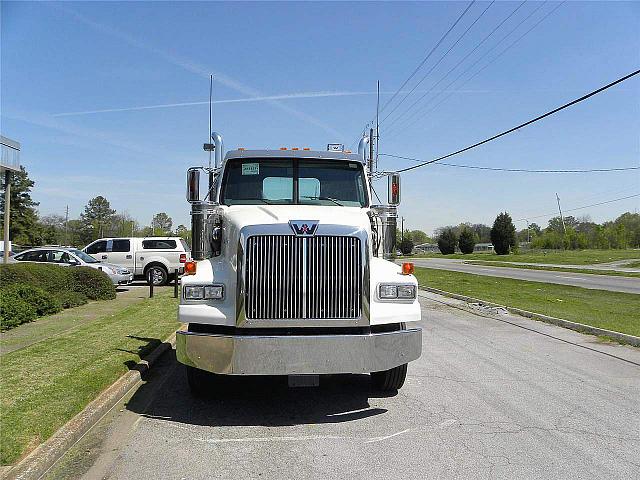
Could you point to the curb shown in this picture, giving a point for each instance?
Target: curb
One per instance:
(578, 327)
(38, 462)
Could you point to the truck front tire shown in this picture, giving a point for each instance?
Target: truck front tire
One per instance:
(390, 380)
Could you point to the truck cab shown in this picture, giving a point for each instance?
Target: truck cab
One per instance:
(290, 277)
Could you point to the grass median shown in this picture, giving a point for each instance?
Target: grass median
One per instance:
(557, 257)
(556, 269)
(599, 308)
(45, 384)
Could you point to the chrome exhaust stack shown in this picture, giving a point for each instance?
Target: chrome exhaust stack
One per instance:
(204, 219)
(363, 148)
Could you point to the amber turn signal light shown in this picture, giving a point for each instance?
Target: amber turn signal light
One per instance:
(190, 268)
(407, 268)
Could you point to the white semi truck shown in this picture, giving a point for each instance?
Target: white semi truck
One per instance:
(290, 275)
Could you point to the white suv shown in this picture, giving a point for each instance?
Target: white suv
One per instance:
(157, 258)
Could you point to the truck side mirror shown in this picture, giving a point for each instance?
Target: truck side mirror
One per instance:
(193, 185)
(394, 189)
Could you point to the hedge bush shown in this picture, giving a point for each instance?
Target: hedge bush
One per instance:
(45, 303)
(94, 284)
(14, 310)
(71, 299)
(30, 290)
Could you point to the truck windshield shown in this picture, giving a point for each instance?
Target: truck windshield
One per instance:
(293, 181)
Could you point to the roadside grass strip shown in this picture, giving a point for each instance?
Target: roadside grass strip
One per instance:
(558, 257)
(45, 384)
(599, 308)
(556, 269)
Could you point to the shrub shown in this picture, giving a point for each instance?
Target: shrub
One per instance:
(406, 246)
(447, 241)
(467, 240)
(92, 283)
(71, 299)
(14, 310)
(503, 234)
(43, 302)
(51, 278)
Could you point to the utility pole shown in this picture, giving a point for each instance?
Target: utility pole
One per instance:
(402, 229)
(66, 226)
(564, 228)
(528, 232)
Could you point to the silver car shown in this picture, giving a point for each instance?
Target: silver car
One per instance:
(68, 257)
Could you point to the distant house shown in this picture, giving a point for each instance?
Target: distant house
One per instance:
(426, 248)
(483, 247)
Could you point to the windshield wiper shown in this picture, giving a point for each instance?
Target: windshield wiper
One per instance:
(324, 198)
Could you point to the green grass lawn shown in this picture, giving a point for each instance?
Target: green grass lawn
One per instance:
(558, 257)
(632, 265)
(557, 269)
(45, 384)
(610, 310)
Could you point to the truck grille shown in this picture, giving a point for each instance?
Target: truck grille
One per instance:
(290, 277)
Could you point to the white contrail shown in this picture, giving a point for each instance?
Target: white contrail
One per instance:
(285, 96)
(193, 67)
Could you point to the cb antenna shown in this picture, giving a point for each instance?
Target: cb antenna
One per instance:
(210, 114)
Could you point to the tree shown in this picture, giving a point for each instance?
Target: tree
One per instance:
(161, 224)
(23, 218)
(447, 240)
(482, 231)
(467, 240)
(183, 232)
(503, 234)
(406, 246)
(97, 216)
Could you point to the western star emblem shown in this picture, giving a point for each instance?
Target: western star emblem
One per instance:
(304, 228)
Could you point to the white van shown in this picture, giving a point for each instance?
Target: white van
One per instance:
(148, 257)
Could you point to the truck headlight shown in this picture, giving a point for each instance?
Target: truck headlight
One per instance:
(213, 292)
(402, 291)
(203, 292)
(193, 292)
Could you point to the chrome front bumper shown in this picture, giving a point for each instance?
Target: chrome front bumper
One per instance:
(298, 354)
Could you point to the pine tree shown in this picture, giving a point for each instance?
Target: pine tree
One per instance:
(503, 234)
(467, 240)
(23, 218)
(447, 241)
(97, 216)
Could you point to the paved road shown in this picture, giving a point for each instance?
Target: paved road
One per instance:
(501, 397)
(585, 280)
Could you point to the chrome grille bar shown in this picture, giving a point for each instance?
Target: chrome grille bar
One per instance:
(289, 277)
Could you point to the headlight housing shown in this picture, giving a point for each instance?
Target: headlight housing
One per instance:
(203, 292)
(396, 291)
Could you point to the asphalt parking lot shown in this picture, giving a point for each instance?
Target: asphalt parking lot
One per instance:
(500, 397)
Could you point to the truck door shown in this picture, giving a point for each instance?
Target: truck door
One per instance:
(98, 250)
(121, 253)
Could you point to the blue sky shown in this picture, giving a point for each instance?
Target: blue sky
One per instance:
(304, 75)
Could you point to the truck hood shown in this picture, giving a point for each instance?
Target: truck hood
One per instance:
(241, 216)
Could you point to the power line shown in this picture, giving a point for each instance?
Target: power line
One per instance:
(498, 169)
(478, 45)
(422, 112)
(429, 54)
(580, 208)
(439, 60)
(529, 122)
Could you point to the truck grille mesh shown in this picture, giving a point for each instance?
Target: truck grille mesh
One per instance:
(288, 277)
